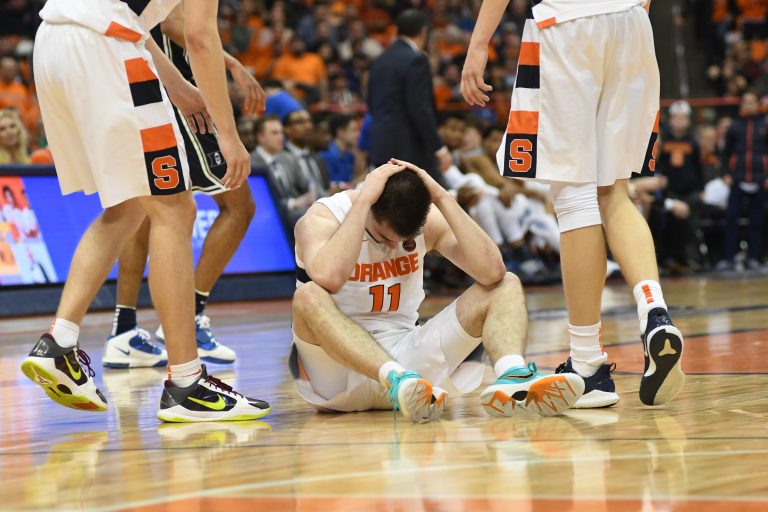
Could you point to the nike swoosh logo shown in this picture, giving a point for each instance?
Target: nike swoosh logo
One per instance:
(126, 352)
(518, 377)
(215, 406)
(74, 373)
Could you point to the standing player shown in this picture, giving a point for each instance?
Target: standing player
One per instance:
(583, 108)
(128, 346)
(357, 343)
(112, 130)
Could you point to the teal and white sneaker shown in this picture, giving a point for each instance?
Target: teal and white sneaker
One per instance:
(525, 389)
(415, 396)
(208, 348)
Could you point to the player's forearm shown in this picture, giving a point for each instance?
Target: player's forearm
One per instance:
(173, 28)
(167, 73)
(487, 20)
(206, 56)
(335, 261)
(480, 257)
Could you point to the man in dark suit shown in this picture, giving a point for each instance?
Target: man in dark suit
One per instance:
(401, 101)
(299, 130)
(295, 193)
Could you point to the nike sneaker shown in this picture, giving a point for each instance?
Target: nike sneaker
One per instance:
(415, 396)
(65, 375)
(599, 389)
(525, 389)
(208, 399)
(208, 348)
(133, 349)
(663, 377)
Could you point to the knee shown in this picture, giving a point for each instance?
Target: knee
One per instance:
(240, 211)
(576, 205)
(308, 298)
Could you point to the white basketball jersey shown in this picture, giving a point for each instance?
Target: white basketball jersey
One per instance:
(386, 287)
(126, 19)
(551, 12)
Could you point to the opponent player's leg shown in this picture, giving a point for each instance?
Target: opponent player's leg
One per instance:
(583, 261)
(128, 346)
(55, 363)
(317, 320)
(499, 316)
(236, 211)
(631, 243)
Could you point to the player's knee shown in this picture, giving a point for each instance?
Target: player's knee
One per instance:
(576, 205)
(307, 298)
(511, 281)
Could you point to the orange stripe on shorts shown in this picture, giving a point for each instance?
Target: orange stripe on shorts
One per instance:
(529, 54)
(523, 122)
(139, 71)
(547, 23)
(122, 32)
(158, 138)
(656, 124)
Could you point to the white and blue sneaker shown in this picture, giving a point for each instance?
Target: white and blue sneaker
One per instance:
(133, 349)
(208, 348)
(415, 396)
(524, 389)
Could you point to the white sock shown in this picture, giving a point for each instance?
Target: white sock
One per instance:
(587, 354)
(386, 368)
(648, 296)
(65, 333)
(507, 363)
(185, 374)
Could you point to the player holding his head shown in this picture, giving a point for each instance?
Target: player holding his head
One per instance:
(357, 342)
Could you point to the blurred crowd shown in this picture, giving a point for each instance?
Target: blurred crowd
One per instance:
(706, 204)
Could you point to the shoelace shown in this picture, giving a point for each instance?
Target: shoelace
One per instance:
(146, 339)
(85, 361)
(392, 393)
(204, 321)
(213, 381)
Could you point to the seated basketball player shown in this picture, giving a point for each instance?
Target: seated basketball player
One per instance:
(357, 345)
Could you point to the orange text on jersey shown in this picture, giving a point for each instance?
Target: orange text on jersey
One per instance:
(379, 271)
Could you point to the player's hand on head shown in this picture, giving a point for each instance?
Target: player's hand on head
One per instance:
(254, 97)
(238, 161)
(374, 183)
(191, 104)
(473, 87)
(436, 191)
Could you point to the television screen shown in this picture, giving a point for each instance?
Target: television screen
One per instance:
(40, 229)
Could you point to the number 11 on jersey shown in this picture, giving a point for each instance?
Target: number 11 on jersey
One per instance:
(378, 297)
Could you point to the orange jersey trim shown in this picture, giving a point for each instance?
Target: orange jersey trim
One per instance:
(529, 54)
(139, 71)
(547, 23)
(158, 138)
(656, 124)
(122, 32)
(523, 122)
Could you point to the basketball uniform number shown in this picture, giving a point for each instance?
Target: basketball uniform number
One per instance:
(378, 297)
(166, 174)
(520, 159)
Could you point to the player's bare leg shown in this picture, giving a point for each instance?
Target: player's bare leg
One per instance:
(318, 321)
(631, 243)
(499, 316)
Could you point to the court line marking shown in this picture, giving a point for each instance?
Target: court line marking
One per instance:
(405, 471)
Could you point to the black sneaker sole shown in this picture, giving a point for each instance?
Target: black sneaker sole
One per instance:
(664, 347)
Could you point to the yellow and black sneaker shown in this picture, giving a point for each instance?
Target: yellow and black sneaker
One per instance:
(209, 399)
(65, 374)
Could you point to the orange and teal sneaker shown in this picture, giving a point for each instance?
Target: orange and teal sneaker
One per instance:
(208, 399)
(65, 374)
(415, 396)
(524, 389)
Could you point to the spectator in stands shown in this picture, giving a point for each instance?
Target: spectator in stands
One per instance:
(340, 155)
(745, 156)
(680, 162)
(295, 194)
(299, 128)
(13, 93)
(302, 71)
(13, 139)
(246, 129)
(358, 42)
(401, 101)
(279, 102)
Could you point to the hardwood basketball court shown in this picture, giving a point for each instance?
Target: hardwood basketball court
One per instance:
(705, 451)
